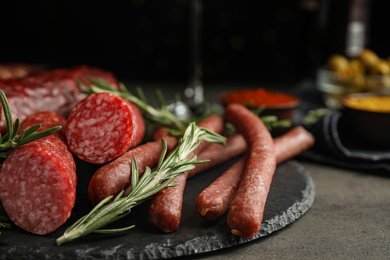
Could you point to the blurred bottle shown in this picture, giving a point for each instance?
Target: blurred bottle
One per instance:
(343, 27)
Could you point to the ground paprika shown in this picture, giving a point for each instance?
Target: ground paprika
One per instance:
(257, 97)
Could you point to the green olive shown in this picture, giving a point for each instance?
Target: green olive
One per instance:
(368, 57)
(382, 67)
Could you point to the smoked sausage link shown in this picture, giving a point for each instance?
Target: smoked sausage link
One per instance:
(217, 153)
(165, 206)
(38, 180)
(215, 200)
(292, 143)
(247, 208)
(115, 176)
(103, 127)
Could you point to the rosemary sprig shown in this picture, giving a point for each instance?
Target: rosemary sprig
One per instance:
(161, 115)
(314, 115)
(11, 139)
(142, 188)
(4, 221)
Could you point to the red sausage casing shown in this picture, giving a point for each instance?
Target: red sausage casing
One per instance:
(247, 208)
(165, 206)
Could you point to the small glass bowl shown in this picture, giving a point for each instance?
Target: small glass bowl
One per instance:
(335, 86)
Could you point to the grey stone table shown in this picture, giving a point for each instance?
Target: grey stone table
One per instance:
(349, 219)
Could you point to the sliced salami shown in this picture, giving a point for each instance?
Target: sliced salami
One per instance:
(51, 90)
(103, 127)
(38, 180)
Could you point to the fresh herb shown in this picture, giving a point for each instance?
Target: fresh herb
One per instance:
(142, 188)
(11, 139)
(270, 121)
(314, 115)
(4, 221)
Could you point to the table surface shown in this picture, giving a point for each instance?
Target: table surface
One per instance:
(348, 220)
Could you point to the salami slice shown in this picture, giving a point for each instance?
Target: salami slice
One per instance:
(50, 90)
(115, 176)
(103, 127)
(38, 180)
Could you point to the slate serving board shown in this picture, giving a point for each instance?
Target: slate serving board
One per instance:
(292, 194)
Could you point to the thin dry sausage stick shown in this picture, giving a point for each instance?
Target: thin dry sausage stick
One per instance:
(215, 200)
(246, 210)
(217, 153)
(115, 176)
(165, 207)
(292, 143)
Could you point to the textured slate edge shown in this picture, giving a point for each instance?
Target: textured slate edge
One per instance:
(212, 242)
(166, 248)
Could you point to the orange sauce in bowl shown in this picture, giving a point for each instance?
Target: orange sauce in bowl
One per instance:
(369, 103)
(257, 98)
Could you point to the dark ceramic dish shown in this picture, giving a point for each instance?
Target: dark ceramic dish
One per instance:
(372, 127)
(284, 111)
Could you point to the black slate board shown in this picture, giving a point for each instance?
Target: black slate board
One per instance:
(292, 194)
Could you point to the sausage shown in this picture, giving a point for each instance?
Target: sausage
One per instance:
(102, 127)
(165, 206)
(246, 210)
(115, 176)
(292, 143)
(215, 200)
(217, 153)
(38, 180)
(50, 90)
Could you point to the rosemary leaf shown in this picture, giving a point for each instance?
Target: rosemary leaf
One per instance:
(7, 113)
(38, 135)
(149, 184)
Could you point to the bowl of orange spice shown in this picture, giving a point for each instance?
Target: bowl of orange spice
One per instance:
(369, 116)
(276, 104)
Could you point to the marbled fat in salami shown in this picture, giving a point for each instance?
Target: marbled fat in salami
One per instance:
(38, 180)
(103, 127)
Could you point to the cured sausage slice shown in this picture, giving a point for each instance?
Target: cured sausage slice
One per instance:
(38, 180)
(103, 127)
(50, 90)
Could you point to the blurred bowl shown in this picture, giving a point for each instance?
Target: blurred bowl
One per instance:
(335, 86)
(278, 104)
(369, 116)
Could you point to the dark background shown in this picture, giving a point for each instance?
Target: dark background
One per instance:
(255, 42)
